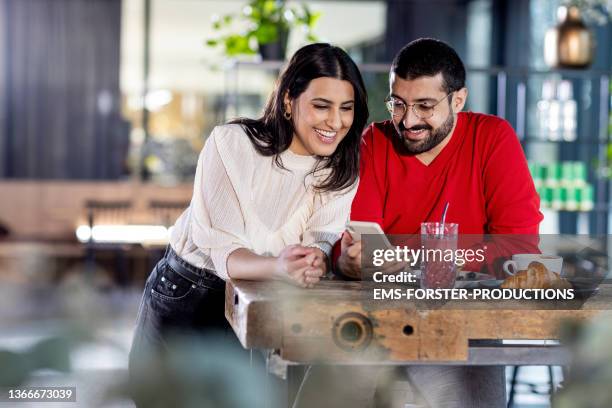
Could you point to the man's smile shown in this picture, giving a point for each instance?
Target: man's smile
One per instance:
(416, 134)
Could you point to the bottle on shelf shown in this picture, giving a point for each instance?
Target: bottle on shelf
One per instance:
(567, 174)
(559, 198)
(555, 119)
(543, 109)
(562, 185)
(546, 196)
(569, 111)
(580, 174)
(573, 198)
(538, 174)
(586, 201)
(553, 175)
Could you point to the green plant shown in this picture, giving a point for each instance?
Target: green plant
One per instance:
(267, 21)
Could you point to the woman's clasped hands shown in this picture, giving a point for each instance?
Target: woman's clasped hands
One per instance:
(300, 265)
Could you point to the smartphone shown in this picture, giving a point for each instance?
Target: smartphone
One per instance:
(359, 228)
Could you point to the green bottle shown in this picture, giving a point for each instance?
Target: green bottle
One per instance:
(559, 199)
(587, 203)
(553, 175)
(573, 198)
(580, 174)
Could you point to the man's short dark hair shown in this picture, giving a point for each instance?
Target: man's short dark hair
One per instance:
(429, 57)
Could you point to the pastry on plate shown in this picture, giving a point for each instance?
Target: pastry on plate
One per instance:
(536, 276)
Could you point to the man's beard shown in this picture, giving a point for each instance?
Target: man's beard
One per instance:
(435, 137)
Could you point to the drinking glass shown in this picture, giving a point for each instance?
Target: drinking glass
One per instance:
(439, 243)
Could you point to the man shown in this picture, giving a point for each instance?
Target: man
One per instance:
(431, 153)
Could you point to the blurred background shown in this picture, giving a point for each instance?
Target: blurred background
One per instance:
(105, 105)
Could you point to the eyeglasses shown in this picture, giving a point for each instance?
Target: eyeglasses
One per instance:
(422, 110)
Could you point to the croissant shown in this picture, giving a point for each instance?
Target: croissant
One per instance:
(535, 277)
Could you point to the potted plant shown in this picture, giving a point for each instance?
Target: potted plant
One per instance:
(268, 23)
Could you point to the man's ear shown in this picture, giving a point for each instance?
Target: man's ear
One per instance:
(459, 99)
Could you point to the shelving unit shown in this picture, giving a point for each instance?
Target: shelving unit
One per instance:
(511, 93)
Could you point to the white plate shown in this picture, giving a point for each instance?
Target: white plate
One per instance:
(490, 283)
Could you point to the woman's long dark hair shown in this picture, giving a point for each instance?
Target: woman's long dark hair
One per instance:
(272, 133)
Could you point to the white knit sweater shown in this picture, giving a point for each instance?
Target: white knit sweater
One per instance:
(242, 199)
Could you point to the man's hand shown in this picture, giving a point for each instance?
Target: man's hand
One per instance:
(349, 261)
(299, 265)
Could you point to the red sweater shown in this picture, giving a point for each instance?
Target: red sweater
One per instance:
(482, 172)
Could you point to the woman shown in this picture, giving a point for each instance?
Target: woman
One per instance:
(271, 196)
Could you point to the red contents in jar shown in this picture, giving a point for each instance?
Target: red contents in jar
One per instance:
(438, 275)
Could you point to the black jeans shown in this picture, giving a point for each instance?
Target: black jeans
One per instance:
(181, 301)
(178, 299)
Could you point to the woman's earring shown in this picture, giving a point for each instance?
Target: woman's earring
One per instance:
(287, 115)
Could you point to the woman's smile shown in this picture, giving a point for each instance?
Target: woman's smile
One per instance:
(326, 136)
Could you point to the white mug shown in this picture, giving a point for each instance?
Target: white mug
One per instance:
(520, 262)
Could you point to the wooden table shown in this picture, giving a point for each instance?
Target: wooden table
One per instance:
(339, 322)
